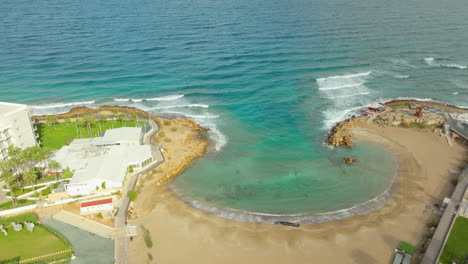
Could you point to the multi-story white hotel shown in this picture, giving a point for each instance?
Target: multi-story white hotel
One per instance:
(15, 128)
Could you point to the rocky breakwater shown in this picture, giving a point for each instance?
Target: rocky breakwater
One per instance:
(341, 133)
(191, 144)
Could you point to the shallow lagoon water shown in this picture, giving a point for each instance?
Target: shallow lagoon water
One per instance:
(269, 78)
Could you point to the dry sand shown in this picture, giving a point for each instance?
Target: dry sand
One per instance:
(182, 234)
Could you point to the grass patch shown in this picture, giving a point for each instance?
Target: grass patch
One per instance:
(407, 247)
(28, 245)
(19, 203)
(457, 242)
(27, 217)
(63, 133)
(147, 237)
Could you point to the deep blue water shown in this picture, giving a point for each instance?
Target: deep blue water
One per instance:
(268, 77)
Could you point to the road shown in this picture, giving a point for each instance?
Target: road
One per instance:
(121, 235)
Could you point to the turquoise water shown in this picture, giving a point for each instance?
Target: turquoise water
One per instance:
(269, 78)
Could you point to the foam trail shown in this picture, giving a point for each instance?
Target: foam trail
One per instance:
(122, 99)
(432, 62)
(181, 106)
(58, 105)
(401, 76)
(166, 98)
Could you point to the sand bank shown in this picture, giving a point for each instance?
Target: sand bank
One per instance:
(182, 234)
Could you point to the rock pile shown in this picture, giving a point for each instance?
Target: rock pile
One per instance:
(340, 135)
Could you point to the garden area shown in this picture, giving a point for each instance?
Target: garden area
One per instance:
(456, 246)
(54, 134)
(25, 244)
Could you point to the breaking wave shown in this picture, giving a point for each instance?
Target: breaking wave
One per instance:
(433, 62)
(166, 98)
(345, 93)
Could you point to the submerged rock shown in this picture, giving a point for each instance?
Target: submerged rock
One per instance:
(349, 160)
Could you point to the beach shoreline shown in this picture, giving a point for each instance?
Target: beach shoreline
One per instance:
(185, 233)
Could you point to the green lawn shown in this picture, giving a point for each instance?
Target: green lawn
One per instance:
(457, 243)
(407, 247)
(61, 134)
(26, 244)
(19, 203)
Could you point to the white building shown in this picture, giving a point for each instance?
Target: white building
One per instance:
(95, 206)
(15, 128)
(103, 161)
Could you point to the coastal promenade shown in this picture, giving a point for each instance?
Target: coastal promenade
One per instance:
(435, 247)
(121, 229)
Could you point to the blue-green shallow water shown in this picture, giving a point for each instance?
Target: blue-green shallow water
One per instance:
(268, 77)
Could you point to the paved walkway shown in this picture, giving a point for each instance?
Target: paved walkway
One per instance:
(122, 232)
(88, 248)
(435, 247)
(84, 223)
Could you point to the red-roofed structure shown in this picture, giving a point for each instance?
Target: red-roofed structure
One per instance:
(96, 206)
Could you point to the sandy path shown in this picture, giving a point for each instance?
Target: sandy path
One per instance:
(182, 234)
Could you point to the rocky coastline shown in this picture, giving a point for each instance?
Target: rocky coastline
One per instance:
(400, 113)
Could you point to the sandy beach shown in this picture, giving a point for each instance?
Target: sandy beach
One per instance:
(182, 234)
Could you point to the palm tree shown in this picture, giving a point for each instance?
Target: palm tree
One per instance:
(122, 118)
(114, 112)
(89, 121)
(102, 120)
(67, 119)
(135, 118)
(30, 176)
(51, 119)
(39, 156)
(53, 166)
(6, 174)
(79, 125)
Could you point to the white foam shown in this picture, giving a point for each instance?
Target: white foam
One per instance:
(59, 105)
(401, 76)
(180, 106)
(204, 116)
(347, 76)
(346, 93)
(340, 87)
(432, 62)
(137, 100)
(455, 93)
(166, 98)
(122, 99)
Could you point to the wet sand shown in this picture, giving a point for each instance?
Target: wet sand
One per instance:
(182, 234)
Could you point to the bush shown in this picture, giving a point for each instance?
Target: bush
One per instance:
(167, 122)
(147, 237)
(150, 257)
(132, 195)
(14, 260)
(130, 169)
(46, 192)
(103, 185)
(161, 134)
(100, 215)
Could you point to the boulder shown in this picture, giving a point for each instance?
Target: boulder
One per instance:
(349, 160)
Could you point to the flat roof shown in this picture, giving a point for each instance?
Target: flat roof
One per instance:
(7, 108)
(96, 202)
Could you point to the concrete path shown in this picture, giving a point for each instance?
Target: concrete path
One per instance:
(435, 247)
(84, 223)
(87, 247)
(122, 233)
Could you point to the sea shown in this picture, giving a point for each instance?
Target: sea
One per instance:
(268, 78)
